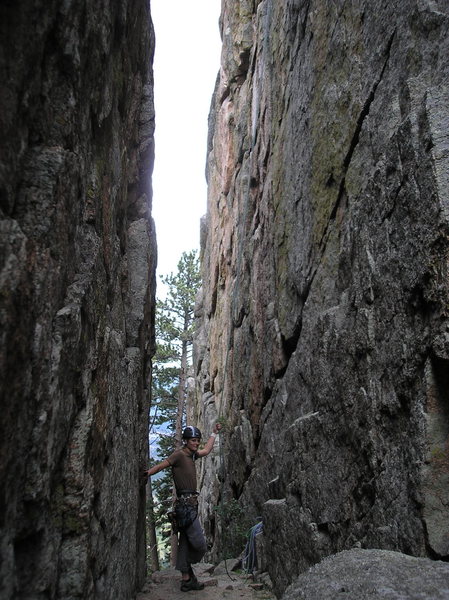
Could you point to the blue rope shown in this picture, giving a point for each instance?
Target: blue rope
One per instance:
(249, 560)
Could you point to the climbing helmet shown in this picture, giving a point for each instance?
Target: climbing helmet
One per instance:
(191, 432)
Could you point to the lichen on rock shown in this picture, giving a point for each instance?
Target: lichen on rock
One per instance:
(325, 276)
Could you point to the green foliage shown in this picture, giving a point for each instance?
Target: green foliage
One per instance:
(176, 312)
(225, 424)
(174, 335)
(235, 524)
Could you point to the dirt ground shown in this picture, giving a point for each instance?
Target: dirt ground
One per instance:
(165, 585)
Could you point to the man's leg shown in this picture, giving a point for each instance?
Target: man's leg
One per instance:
(196, 542)
(191, 549)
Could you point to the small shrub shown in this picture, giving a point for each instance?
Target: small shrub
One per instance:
(234, 527)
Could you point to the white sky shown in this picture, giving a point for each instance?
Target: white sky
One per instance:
(186, 63)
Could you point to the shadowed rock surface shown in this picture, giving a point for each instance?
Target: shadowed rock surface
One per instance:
(323, 324)
(372, 574)
(77, 261)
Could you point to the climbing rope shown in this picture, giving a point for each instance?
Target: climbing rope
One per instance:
(249, 559)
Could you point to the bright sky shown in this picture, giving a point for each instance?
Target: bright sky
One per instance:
(186, 63)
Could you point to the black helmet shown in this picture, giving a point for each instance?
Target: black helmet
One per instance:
(191, 432)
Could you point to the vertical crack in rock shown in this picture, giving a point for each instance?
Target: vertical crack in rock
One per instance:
(291, 345)
(355, 138)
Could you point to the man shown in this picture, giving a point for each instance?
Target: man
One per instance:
(191, 542)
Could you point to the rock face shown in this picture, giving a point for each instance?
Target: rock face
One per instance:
(77, 261)
(323, 324)
(371, 575)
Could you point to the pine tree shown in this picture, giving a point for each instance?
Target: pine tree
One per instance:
(177, 313)
(172, 360)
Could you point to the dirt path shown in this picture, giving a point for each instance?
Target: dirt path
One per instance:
(165, 585)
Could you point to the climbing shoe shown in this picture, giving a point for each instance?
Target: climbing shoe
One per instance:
(191, 584)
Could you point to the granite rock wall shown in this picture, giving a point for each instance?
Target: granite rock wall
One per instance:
(323, 324)
(77, 262)
(371, 575)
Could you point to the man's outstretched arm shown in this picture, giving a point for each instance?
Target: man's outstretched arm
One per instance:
(159, 467)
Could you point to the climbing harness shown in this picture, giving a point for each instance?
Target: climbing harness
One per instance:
(186, 510)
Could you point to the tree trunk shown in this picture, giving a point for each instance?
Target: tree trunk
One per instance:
(181, 393)
(181, 403)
